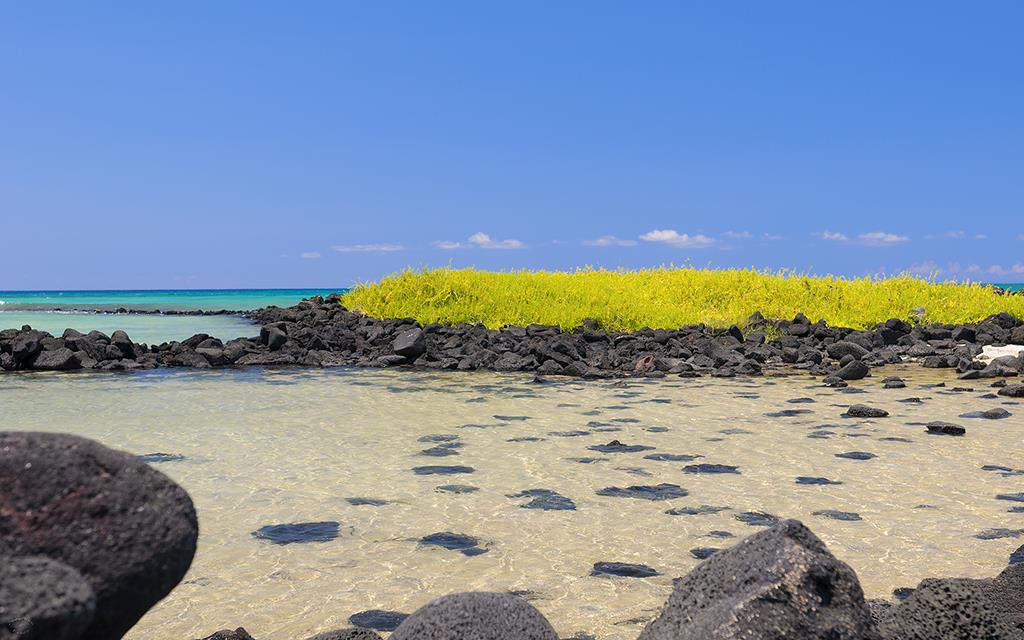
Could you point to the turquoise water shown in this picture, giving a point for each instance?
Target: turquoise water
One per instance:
(151, 300)
(54, 311)
(1012, 286)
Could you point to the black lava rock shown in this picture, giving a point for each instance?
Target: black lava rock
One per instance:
(853, 371)
(128, 529)
(410, 344)
(476, 616)
(864, 411)
(945, 428)
(42, 599)
(781, 583)
(961, 608)
(1012, 391)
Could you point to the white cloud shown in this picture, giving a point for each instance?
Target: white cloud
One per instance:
(1020, 237)
(871, 239)
(927, 268)
(367, 248)
(973, 269)
(771, 237)
(676, 239)
(980, 236)
(1017, 268)
(738, 235)
(956, 235)
(997, 270)
(310, 255)
(881, 238)
(609, 241)
(833, 235)
(480, 240)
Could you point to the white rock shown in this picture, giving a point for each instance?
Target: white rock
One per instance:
(988, 352)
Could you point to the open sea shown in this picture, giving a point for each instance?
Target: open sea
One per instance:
(85, 311)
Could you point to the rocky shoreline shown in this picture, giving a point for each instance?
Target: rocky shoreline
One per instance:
(91, 538)
(319, 332)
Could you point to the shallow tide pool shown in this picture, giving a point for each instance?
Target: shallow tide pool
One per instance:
(264, 447)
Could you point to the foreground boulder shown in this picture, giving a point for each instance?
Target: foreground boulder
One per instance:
(128, 529)
(476, 616)
(961, 608)
(41, 599)
(779, 584)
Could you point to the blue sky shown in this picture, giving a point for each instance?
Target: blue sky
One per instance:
(248, 144)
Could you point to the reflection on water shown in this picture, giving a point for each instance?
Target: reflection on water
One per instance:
(266, 447)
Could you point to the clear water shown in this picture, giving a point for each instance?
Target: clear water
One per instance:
(149, 300)
(53, 311)
(277, 446)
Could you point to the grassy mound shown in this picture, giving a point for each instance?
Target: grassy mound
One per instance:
(667, 298)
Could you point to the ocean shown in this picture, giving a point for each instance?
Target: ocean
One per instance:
(54, 311)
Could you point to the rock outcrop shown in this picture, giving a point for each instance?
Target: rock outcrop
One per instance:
(320, 332)
(779, 584)
(127, 529)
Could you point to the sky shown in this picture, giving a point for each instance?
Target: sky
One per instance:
(320, 144)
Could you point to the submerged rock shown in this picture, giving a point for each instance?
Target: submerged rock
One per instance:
(663, 491)
(126, 528)
(467, 545)
(545, 499)
(710, 468)
(856, 455)
(757, 518)
(161, 457)
(227, 634)
(476, 616)
(847, 516)
(347, 634)
(378, 620)
(617, 447)
(781, 584)
(433, 470)
(702, 510)
(298, 532)
(623, 569)
(815, 480)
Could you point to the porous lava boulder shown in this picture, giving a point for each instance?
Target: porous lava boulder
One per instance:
(128, 529)
(961, 608)
(410, 344)
(42, 599)
(476, 616)
(1012, 391)
(854, 370)
(779, 584)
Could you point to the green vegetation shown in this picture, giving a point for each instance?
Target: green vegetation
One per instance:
(667, 298)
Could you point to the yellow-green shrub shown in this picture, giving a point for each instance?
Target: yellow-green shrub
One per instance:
(667, 297)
